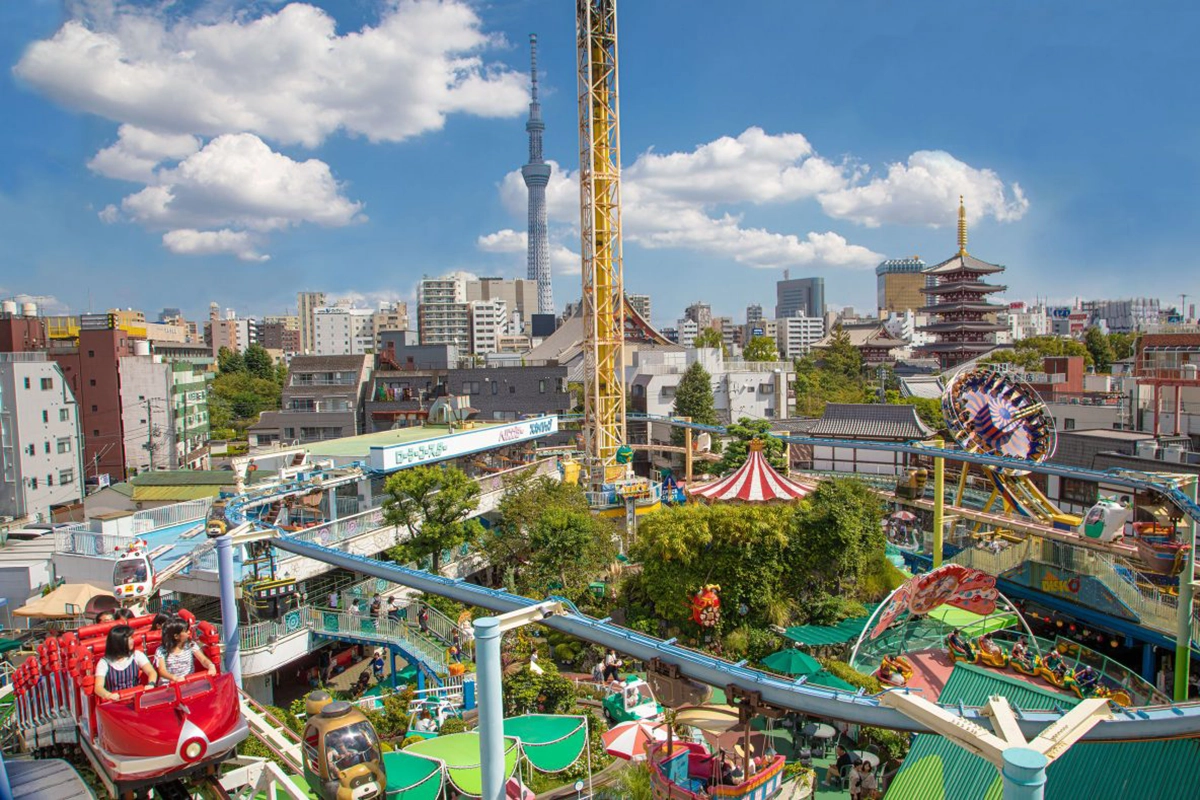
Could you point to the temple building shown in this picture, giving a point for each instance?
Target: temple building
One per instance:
(964, 325)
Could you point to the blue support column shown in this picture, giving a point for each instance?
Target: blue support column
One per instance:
(491, 707)
(1148, 663)
(331, 501)
(392, 671)
(1024, 774)
(5, 786)
(229, 611)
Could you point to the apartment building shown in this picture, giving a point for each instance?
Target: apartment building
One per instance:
(342, 330)
(322, 399)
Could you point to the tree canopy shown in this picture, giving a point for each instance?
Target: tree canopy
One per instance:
(834, 535)
(711, 337)
(434, 504)
(761, 348)
(259, 362)
(245, 386)
(693, 398)
(737, 448)
(842, 358)
(1029, 353)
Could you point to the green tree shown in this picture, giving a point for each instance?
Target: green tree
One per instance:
(761, 348)
(929, 409)
(570, 547)
(1099, 349)
(816, 385)
(737, 448)
(841, 357)
(693, 398)
(259, 362)
(834, 537)
(711, 337)
(1123, 345)
(434, 504)
(235, 399)
(230, 361)
(1029, 353)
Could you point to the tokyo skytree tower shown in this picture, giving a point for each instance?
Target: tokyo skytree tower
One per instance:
(537, 174)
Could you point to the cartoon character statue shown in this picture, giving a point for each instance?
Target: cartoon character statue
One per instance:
(706, 606)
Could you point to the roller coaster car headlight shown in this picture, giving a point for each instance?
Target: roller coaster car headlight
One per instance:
(193, 749)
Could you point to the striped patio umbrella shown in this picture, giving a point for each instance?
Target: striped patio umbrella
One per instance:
(629, 739)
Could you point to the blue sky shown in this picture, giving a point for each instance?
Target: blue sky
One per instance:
(173, 154)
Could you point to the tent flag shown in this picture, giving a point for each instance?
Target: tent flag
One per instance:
(550, 743)
(412, 777)
(460, 753)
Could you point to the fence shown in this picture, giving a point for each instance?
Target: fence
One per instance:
(384, 630)
(151, 519)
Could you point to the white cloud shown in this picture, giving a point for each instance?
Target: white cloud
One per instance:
(925, 191)
(237, 181)
(288, 75)
(691, 200)
(137, 152)
(191, 242)
(563, 260)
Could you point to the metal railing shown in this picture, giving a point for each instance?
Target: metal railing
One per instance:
(994, 562)
(347, 506)
(334, 623)
(79, 540)
(151, 519)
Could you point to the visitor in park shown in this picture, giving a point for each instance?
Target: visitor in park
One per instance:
(959, 642)
(1020, 652)
(376, 605)
(333, 599)
(988, 646)
(119, 667)
(177, 657)
(889, 675)
(863, 783)
(355, 609)
(425, 723)
(598, 672)
(833, 775)
(377, 664)
(423, 618)
(612, 666)
(393, 609)
(105, 616)
(160, 619)
(1054, 663)
(124, 614)
(1087, 678)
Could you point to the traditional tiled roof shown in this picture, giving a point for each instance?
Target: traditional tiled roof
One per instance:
(963, 262)
(871, 334)
(871, 421)
(978, 287)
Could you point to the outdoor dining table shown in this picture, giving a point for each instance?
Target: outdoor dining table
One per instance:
(869, 757)
(818, 731)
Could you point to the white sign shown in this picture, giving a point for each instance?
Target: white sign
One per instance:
(393, 457)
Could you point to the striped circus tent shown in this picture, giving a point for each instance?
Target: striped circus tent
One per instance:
(756, 481)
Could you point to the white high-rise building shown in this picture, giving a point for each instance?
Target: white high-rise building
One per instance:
(794, 336)
(40, 449)
(489, 322)
(307, 303)
(689, 329)
(343, 330)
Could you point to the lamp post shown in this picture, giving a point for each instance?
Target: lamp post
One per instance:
(488, 634)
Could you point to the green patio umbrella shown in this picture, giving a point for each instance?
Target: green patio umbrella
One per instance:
(791, 661)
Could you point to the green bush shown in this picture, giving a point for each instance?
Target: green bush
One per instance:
(852, 676)
(453, 725)
(761, 643)
(411, 740)
(736, 643)
(879, 577)
(894, 742)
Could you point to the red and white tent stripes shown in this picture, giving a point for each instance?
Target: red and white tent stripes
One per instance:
(756, 482)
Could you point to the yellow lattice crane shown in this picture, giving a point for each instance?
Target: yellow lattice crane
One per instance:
(600, 222)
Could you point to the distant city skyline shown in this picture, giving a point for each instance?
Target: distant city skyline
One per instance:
(355, 169)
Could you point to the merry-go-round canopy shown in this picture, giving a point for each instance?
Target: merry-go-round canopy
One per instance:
(756, 481)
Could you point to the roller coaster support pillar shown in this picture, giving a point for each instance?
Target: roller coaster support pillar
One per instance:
(687, 452)
(5, 786)
(1024, 774)
(939, 504)
(229, 611)
(491, 706)
(331, 495)
(1183, 633)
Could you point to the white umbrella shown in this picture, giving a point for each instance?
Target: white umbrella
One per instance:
(629, 739)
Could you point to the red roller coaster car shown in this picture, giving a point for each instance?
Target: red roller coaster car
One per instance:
(144, 736)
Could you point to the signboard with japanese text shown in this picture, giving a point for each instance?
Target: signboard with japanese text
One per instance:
(393, 457)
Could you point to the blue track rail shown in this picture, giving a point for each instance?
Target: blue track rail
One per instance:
(1163, 722)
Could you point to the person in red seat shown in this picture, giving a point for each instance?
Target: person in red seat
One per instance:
(119, 668)
(177, 657)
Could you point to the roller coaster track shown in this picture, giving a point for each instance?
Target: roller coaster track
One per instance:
(1157, 722)
(278, 738)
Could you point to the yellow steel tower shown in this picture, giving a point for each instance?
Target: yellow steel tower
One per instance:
(600, 212)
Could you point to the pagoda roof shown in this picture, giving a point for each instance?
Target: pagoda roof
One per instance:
(961, 305)
(954, 347)
(963, 286)
(964, 262)
(949, 326)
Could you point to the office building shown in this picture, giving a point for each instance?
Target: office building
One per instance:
(489, 322)
(443, 316)
(40, 459)
(229, 331)
(21, 329)
(306, 304)
(641, 304)
(164, 410)
(699, 313)
(519, 296)
(795, 296)
(277, 335)
(389, 317)
(898, 284)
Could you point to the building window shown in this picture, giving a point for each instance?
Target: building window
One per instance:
(45, 415)
(64, 445)
(47, 384)
(95, 409)
(1068, 424)
(66, 477)
(96, 432)
(512, 390)
(64, 415)
(542, 386)
(49, 480)
(1083, 493)
(27, 383)
(30, 449)
(47, 448)
(92, 382)
(33, 483)
(91, 353)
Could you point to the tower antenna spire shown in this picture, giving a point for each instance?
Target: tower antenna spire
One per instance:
(537, 174)
(962, 227)
(533, 71)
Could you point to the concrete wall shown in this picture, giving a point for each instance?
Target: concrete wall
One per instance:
(146, 399)
(19, 581)
(850, 459)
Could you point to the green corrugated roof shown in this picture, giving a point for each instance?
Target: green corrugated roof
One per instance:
(821, 635)
(937, 769)
(176, 494)
(185, 477)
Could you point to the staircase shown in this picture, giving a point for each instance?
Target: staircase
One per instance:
(382, 631)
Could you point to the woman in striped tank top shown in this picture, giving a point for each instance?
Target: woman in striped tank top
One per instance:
(121, 663)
